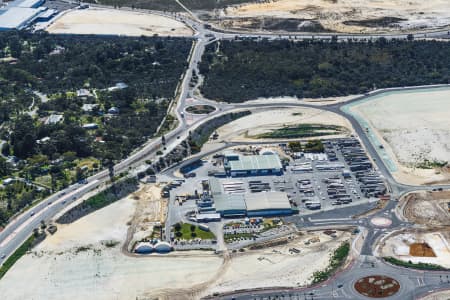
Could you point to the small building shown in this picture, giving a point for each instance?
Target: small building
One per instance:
(8, 181)
(113, 111)
(46, 15)
(267, 204)
(90, 126)
(54, 119)
(89, 107)
(253, 165)
(212, 217)
(84, 93)
(118, 86)
(43, 140)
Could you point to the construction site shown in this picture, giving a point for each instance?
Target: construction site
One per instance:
(335, 16)
(430, 208)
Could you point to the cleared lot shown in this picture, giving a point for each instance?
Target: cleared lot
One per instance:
(344, 15)
(419, 247)
(413, 127)
(428, 208)
(116, 22)
(259, 122)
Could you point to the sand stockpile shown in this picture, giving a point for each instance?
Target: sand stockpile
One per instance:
(348, 16)
(117, 22)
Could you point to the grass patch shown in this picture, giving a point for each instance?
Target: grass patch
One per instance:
(302, 131)
(427, 164)
(231, 237)
(411, 265)
(200, 109)
(21, 251)
(188, 232)
(336, 260)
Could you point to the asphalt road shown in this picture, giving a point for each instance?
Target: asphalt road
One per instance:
(22, 226)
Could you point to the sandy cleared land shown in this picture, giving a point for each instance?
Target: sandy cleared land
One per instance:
(267, 120)
(331, 15)
(77, 263)
(61, 268)
(413, 126)
(398, 247)
(443, 295)
(150, 210)
(276, 266)
(116, 22)
(427, 208)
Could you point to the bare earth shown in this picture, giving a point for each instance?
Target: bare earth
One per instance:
(398, 247)
(77, 263)
(417, 14)
(427, 208)
(117, 22)
(413, 127)
(267, 120)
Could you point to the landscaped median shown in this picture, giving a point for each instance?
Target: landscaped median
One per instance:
(411, 265)
(21, 251)
(337, 260)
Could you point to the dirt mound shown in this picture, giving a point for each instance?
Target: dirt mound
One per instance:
(421, 249)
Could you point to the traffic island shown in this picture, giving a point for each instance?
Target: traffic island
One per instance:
(377, 286)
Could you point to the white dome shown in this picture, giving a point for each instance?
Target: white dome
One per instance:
(144, 247)
(162, 247)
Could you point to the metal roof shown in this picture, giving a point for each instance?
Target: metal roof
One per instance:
(267, 201)
(255, 162)
(27, 3)
(215, 186)
(227, 202)
(17, 17)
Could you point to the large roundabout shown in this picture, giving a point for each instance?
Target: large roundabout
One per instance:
(377, 286)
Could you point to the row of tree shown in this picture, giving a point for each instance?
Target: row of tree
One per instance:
(244, 70)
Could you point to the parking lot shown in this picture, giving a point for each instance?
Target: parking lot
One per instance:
(341, 176)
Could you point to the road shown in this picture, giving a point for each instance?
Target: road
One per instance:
(22, 226)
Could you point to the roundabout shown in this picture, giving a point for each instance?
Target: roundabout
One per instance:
(377, 286)
(381, 222)
(202, 109)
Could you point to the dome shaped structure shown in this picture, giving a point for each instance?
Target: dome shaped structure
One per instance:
(163, 247)
(144, 248)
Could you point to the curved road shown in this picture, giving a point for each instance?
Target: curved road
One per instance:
(413, 282)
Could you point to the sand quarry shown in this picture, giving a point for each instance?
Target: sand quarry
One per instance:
(413, 127)
(332, 15)
(77, 262)
(117, 22)
(429, 247)
(427, 208)
(262, 121)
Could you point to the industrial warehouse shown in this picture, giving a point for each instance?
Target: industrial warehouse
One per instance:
(21, 14)
(242, 165)
(230, 199)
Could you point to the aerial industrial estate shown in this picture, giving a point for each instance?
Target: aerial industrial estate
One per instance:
(224, 149)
